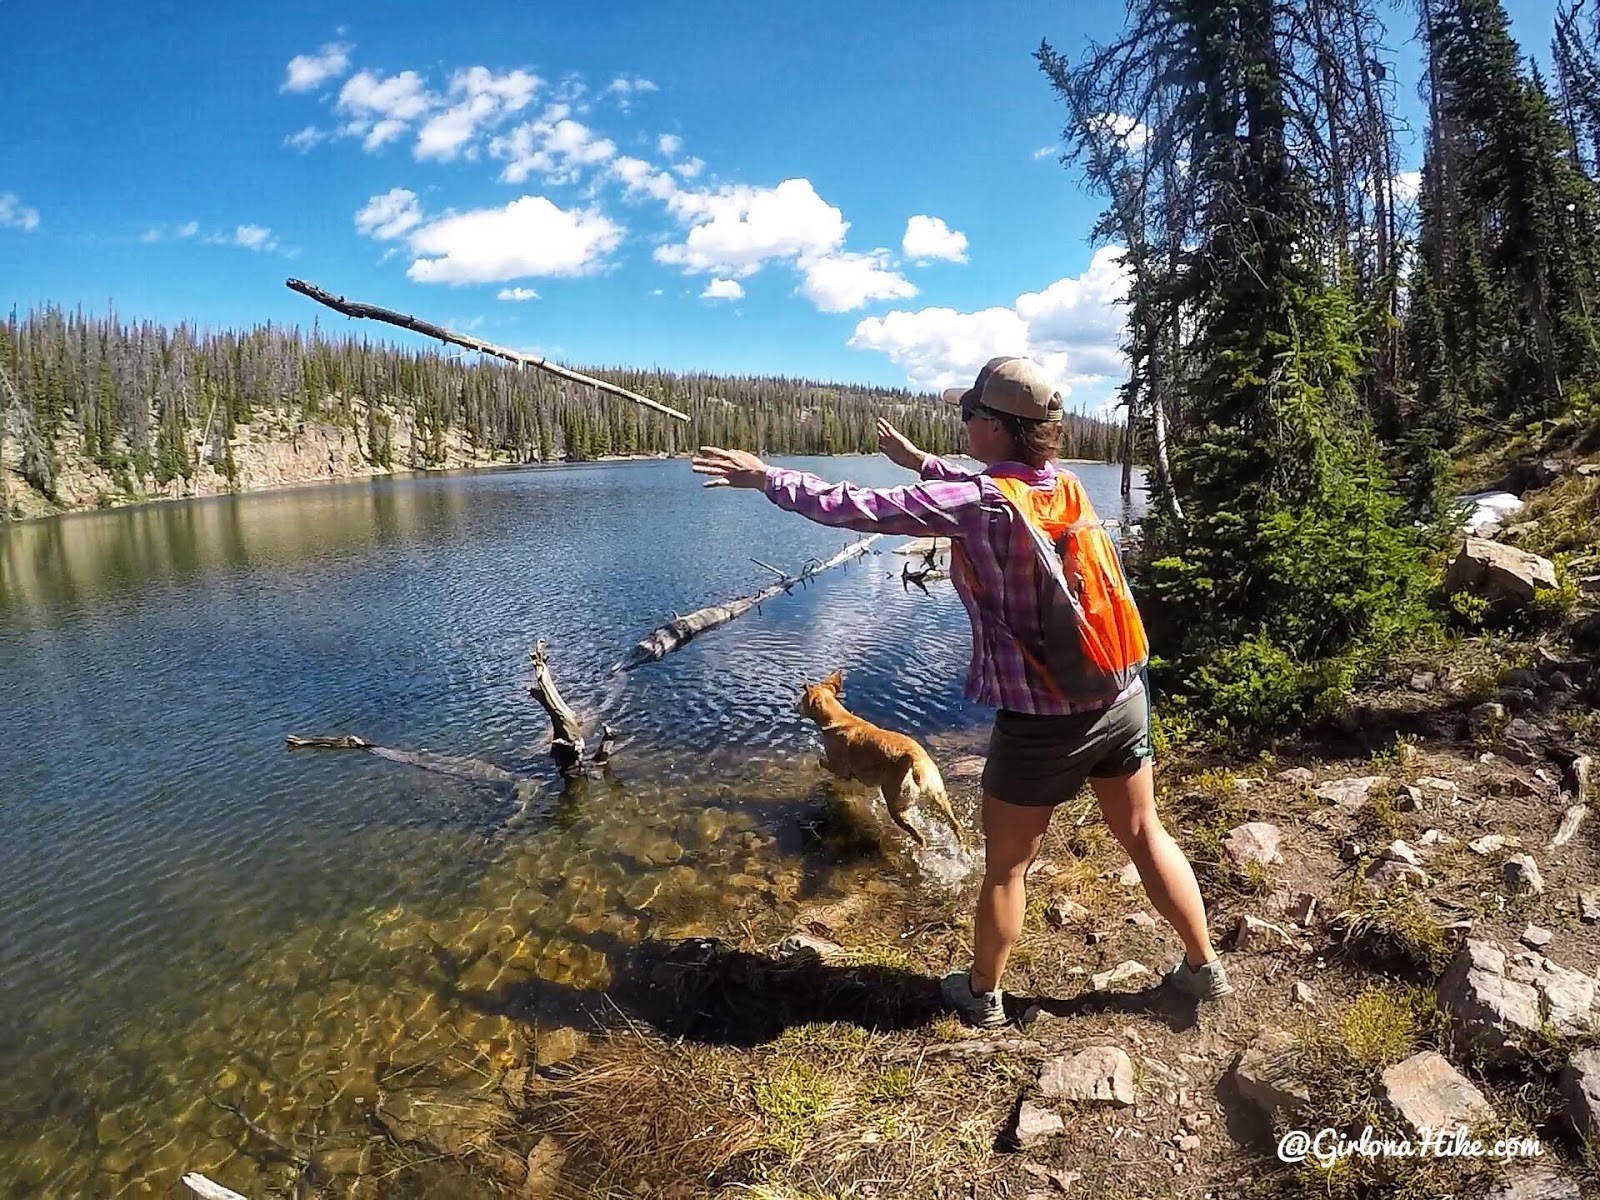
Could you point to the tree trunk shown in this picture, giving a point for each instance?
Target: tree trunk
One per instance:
(679, 631)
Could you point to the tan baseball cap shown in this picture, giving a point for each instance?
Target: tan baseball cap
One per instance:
(1018, 386)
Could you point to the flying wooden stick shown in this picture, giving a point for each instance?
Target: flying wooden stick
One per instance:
(351, 308)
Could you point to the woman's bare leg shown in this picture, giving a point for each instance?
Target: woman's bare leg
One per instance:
(1012, 834)
(1129, 807)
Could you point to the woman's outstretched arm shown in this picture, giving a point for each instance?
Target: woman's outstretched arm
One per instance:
(940, 508)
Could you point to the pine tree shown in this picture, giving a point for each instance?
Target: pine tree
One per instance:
(1287, 571)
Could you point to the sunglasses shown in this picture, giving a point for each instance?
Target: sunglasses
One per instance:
(971, 408)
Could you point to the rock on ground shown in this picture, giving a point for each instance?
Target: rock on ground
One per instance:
(1498, 997)
(1265, 1075)
(1501, 574)
(1580, 1087)
(1348, 793)
(1099, 1075)
(1426, 1092)
(1254, 842)
(1034, 1124)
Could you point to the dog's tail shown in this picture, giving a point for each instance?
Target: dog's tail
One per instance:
(925, 775)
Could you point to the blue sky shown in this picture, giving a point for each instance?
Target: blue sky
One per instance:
(863, 191)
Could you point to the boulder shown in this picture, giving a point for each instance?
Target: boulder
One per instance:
(1426, 1092)
(1501, 574)
(1498, 998)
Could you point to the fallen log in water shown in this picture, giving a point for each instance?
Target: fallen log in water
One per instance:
(679, 631)
(566, 744)
(473, 769)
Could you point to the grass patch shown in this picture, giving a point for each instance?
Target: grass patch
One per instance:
(1396, 928)
(892, 1085)
(792, 1097)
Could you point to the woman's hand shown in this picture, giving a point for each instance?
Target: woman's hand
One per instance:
(898, 447)
(730, 468)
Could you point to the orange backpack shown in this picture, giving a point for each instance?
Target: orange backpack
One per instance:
(1094, 640)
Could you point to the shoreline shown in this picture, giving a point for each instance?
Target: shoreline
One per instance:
(148, 500)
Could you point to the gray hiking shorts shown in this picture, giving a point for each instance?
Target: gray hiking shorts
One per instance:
(1042, 761)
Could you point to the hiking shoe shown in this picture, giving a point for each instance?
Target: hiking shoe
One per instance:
(1209, 982)
(981, 1009)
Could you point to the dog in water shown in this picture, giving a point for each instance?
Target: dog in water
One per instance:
(892, 762)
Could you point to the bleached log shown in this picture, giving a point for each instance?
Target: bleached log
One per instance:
(679, 631)
(352, 308)
(472, 769)
(566, 742)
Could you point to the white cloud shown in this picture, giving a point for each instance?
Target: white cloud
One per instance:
(555, 147)
(690, 168)
(723, 289)
(1073, 327)
(669, 144)
(309, 71)
(15, 214)
(518, 294)
(389, 215)
(254, 237)
(841, 282)
(736, 229)
(930, 238)
(1129, 131)
(159, 233)
(1081, 318)
(529, 236)
(383, 132)
(639, 176)
(1407, 186)
(627, 88)
(382, 109)
(482, 99)
(305, 139)
(1046, 152)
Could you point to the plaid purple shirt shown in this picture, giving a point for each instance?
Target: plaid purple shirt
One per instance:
(1001, 598)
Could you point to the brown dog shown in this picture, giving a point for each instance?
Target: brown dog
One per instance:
(894, 763)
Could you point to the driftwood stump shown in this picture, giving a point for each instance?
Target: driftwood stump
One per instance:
(566, 741)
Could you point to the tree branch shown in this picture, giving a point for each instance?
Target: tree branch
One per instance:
(351, 308)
